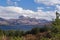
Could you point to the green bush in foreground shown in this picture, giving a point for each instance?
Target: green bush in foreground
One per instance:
(16, 38)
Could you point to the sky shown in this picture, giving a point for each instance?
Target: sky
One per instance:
(40, 9)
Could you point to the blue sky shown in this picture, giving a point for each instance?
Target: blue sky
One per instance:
(27, 4)
(33, 8)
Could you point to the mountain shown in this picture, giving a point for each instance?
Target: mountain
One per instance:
(23, 21)
(1, 19)
(3, 22)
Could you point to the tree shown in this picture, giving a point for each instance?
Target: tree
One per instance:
(35, 30)
(19, 33)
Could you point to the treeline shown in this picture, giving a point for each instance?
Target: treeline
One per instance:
(36, 30)
(13, 33)
(39, 33)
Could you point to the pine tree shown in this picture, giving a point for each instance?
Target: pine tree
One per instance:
(56, 23)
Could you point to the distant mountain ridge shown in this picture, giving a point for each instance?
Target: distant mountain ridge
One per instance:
(23, 21)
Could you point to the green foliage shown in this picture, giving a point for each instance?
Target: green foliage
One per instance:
(44, 29)
(12, 33)
(9, 33)
(38, 30)
(44, 38)
(55, 30)
(16, 38)
(0, 37)
(35, 30)
(19, 33)
(1, 32)
(56, 25)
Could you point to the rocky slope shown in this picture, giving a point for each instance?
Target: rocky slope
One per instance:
(23, 21)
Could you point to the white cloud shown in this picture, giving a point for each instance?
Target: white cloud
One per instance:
(40, 8)
(9, 2)
(58, 7)
(48, 2)
(15, 12)
(13, 2)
